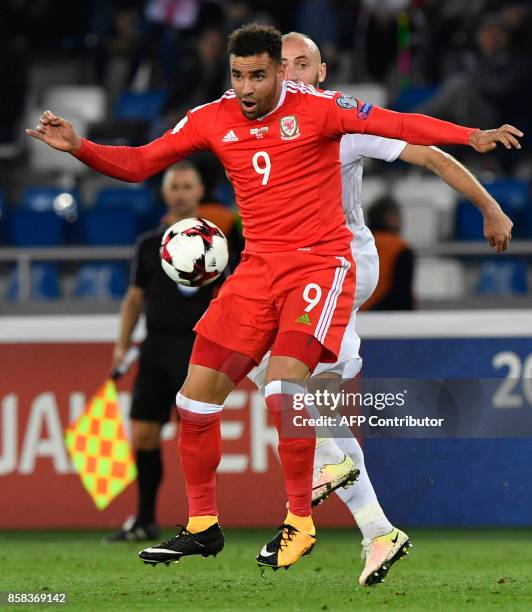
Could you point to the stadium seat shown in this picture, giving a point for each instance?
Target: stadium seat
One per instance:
(110, 227)
(373, 187)
(512, 195)
(3, 219)
(132, 132)
(439, 279)
(411, 98)
(45, 159)
(468, 222)
(54, 199)
(100, 281)
(44, 283)
(367, 92)
(137, 199)
(30, 228)
(427, 207)
(84, 101)
(147, 106)
(502, 277)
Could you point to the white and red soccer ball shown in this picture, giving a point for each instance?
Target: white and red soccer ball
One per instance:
(194, 252)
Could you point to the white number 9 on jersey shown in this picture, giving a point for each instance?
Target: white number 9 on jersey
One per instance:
(264, 168)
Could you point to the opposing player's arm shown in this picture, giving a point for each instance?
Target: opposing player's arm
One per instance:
(132, 306)
(497, 225)
(133, 164)
(347, 115)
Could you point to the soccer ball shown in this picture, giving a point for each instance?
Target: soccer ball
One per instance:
(194, 252)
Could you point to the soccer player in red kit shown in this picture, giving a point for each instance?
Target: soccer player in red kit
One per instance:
(293, 290)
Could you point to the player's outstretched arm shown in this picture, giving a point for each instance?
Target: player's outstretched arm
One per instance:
(497, 225)
(133, 164)
(350, 116)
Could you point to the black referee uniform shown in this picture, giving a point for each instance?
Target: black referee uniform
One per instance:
(171, 311)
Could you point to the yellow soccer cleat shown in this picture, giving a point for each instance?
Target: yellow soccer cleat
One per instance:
(331, 476)
(287, 547)
(380, 554)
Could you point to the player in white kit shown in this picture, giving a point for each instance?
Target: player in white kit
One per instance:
(340, 461)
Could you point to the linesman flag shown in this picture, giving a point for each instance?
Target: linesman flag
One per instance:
(99, 448)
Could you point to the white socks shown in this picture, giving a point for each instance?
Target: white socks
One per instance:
(360, 497)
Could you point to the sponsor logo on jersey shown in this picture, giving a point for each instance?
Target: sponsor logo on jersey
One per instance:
(304, 318)
(365, 111)
(259, 132)
(289, 128)
(230, 137)
(347, 102)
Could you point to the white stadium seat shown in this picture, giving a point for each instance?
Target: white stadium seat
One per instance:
(439, 279)
(87, 102)
(373, 187)
(427, 209)
(44, 158)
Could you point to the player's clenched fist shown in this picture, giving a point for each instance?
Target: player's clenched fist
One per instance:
(484, 141)
(498, 229)
(56, 132)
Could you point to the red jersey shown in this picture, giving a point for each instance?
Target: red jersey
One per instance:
(284, 167)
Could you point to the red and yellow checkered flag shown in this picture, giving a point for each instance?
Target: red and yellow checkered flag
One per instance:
(99, 448)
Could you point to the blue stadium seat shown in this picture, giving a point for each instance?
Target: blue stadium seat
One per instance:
(502, 277)
(411, 98)
(101, 281)
(43, 198)
(3, 219)
(30, 228)
(122, 198)
(110, 227)
(511, 192)
(44, 283)
(147, 106)
(468, 222)
(512, 195)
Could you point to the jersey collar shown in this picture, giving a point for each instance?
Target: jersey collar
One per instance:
(278, 105)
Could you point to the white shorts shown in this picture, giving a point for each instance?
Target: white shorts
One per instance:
(349, 362)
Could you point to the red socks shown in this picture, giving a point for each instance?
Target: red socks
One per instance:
(296, 454)
(200, 444)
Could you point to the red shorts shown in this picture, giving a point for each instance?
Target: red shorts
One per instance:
(275, 292)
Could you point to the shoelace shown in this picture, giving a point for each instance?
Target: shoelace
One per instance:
(287, 535)
(182, 532)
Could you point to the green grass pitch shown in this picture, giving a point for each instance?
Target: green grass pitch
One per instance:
(446, 570)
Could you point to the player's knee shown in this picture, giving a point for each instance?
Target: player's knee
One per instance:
(206, 385)
(285, 367)
(146, 436)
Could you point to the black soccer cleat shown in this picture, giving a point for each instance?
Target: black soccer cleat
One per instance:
(135, 531)
(205, 543)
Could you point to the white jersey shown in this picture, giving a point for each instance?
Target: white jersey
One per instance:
(353, 148)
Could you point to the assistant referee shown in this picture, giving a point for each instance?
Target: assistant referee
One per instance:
(171, 312)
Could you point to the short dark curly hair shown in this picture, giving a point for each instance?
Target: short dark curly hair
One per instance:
(254, 39)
